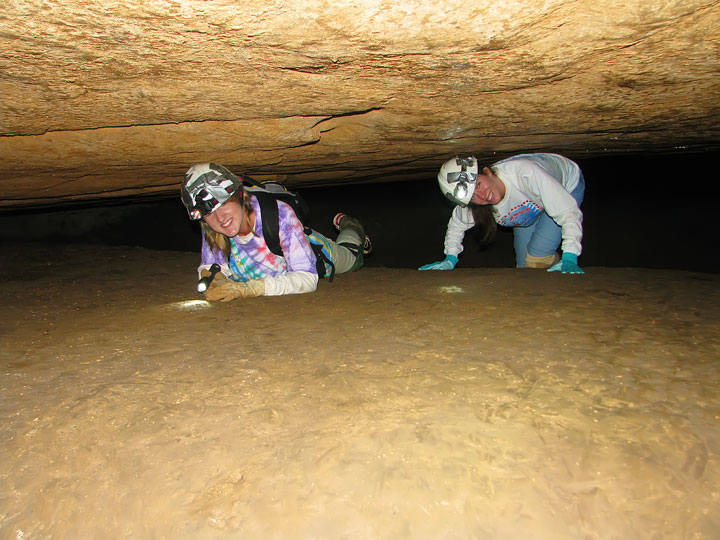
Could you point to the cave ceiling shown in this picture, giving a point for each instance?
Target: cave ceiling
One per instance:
(104, 99)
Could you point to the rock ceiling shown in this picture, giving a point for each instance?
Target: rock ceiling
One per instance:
(116, 98)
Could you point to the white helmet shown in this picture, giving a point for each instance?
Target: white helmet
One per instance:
(457, 179)
(206, 187)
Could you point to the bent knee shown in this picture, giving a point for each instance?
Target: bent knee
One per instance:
(531, 261)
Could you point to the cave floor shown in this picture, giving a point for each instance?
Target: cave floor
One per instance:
(478, 403)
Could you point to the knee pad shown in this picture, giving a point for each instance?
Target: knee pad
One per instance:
(531, 261)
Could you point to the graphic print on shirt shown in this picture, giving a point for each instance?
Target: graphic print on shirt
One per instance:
(522, 215)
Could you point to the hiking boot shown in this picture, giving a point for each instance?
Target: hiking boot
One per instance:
(337, 218)
(367, 246)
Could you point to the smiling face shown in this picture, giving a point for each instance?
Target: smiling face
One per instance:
(489, 189)
(229, 219)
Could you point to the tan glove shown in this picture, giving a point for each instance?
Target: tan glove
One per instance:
(225, 289)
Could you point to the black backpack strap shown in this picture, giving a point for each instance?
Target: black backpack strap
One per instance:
(270, 221)
(321, 260)
(250, 181)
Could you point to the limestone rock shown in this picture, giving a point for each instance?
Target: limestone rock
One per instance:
(109, 98)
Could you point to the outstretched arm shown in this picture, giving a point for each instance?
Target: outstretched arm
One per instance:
(224, 289)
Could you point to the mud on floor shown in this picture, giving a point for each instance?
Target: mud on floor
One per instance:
(485, 403)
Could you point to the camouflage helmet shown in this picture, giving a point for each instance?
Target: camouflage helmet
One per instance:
(206, 187)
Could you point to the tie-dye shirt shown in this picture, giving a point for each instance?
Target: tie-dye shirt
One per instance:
(250, 257)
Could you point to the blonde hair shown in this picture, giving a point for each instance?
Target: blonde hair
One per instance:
(218, 241)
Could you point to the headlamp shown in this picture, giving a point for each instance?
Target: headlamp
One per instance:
(462, 176)
(461, 192)
(458, 178)
(465, 179)
(205, 204)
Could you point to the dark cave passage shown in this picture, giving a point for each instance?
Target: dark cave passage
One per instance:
(639, 211)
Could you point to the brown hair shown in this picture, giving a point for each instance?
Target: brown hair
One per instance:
(486, 226)
(218, 241)
(484, 217)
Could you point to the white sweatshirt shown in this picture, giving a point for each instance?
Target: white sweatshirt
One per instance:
(534, 183)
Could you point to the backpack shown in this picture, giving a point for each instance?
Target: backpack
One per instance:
(267, 195)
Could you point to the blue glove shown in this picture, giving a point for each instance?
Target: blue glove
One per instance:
(448, 263)
(567, 265)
